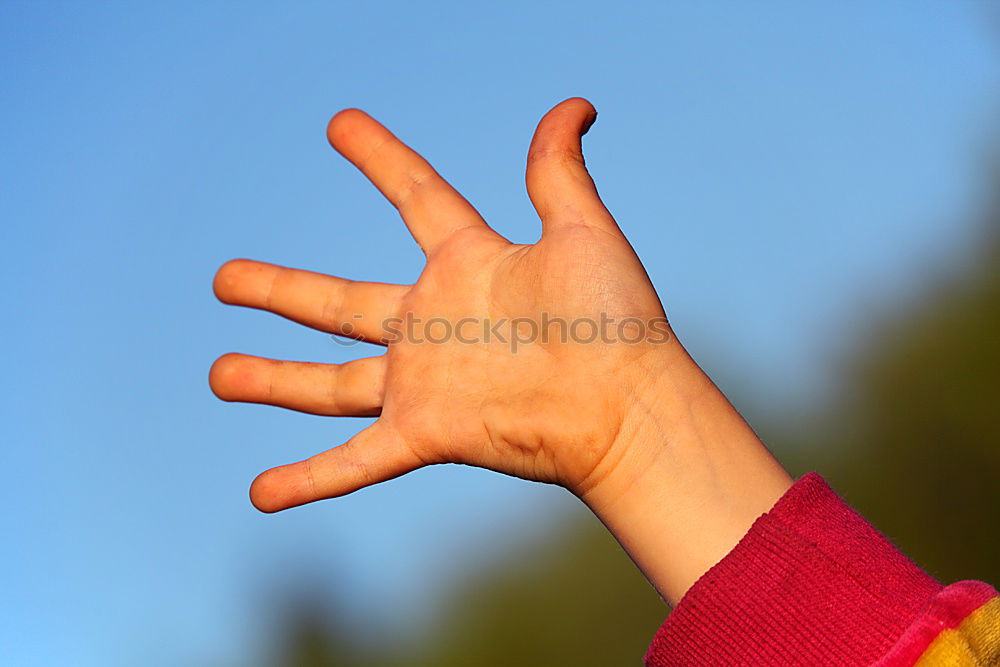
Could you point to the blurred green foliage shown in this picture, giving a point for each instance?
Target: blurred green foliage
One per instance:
(575, 599)
(913, 443)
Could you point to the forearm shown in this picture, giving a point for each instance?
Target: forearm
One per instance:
(686, 478)
(794, 576)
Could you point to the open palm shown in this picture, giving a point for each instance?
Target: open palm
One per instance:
(525, 359)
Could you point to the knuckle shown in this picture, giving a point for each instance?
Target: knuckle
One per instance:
(554, 154)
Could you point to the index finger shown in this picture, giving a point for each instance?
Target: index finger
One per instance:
(431, 208)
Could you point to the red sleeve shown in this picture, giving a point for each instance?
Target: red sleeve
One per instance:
(812, 583)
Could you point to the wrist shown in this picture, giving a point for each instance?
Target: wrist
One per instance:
(684, 480)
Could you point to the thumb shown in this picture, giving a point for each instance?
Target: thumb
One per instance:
(559, 185)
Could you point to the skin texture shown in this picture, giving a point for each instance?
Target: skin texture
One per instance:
(635, 429)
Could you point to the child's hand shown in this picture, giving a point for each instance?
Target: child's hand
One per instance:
(592, 415)
(553, 412)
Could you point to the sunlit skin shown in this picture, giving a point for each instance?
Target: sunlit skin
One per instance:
(635, 429)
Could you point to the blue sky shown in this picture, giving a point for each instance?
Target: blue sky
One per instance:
(785, 171)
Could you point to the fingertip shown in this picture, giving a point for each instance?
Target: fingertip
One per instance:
(580, 103)
(264, 496)
(227, 374)
(564, 124)
(228, 277)
(579, 107)
(343, 125)
(284, 487)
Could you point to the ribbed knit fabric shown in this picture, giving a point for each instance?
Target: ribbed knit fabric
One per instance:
(812, 583)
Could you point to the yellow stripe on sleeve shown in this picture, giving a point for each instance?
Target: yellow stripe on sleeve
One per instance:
(976, 641)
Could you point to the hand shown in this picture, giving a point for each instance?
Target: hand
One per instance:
(551, 412)
(552, 407)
